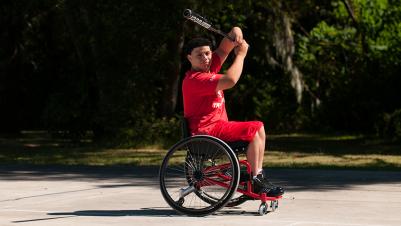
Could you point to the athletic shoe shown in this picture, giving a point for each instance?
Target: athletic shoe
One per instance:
(262, 185)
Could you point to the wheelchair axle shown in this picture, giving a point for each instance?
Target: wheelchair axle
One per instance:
(186, 191)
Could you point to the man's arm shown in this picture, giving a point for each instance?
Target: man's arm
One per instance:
(226, 45)
(233, 73)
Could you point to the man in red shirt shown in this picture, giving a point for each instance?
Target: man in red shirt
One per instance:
(204, 105)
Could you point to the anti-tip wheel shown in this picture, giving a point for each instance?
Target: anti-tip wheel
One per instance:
(274, 205)
(262, 209)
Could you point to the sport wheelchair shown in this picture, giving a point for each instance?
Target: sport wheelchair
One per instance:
(201, 174)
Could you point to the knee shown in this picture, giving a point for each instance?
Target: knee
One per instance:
(261, 133)
(256, 138)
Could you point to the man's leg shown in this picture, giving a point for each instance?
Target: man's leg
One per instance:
(255, 154)
(254, 132)
(234, 131)
(262, 138)
(256, 150)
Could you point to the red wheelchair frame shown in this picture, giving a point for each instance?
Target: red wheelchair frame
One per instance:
(209, 176)
(205, 174)
(248, 192)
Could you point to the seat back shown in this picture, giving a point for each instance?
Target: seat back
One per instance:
(185, 128)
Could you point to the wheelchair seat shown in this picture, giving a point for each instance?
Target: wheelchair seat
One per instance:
(237, 146)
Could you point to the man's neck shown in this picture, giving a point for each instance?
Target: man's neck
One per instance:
(199, 70)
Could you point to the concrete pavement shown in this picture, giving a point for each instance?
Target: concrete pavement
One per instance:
(130, 196)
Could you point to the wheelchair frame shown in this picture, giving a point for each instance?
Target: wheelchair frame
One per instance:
(211, 174)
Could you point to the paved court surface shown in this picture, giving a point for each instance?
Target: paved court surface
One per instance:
(130, 196)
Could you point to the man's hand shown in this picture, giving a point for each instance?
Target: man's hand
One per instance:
(236, 35)
(241, 49)
(227, 45)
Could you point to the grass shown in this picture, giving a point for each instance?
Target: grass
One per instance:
(289, 151)
(321, 160)
(332, 151)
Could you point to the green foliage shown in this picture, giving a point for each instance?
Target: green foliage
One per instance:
(159, 131)
(107, 67)
(389, 126)
(353, 65)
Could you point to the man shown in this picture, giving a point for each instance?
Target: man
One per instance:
(204, 105)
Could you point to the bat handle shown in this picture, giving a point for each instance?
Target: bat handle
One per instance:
(222, 33)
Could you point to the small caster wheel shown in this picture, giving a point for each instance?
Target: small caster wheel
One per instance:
(262, 209)
(274, 205)
(180, 201)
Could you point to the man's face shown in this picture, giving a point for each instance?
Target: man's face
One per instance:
(200, 58)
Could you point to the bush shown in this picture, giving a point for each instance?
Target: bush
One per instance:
(389, 126)
(163, 132)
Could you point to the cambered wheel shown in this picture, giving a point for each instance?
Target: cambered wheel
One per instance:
(199, 175)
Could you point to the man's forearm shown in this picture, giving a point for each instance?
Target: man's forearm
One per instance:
(235, 70)
(227, 45)
(231, 77)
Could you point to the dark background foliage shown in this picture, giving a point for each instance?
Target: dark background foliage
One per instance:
(113, 68)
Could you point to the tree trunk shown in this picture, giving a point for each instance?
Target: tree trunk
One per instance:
(171, 88)
(79, 20)
(283, 41)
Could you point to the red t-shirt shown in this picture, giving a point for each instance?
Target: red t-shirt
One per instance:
(203, 105)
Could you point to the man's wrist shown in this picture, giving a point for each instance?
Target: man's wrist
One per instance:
(241, 55)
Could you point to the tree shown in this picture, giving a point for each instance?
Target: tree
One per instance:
(350, 61)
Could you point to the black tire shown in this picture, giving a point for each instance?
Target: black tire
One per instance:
(237, 201)
(190, 166)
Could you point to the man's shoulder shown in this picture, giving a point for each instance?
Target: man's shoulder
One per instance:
(197, 75)
(202, 83)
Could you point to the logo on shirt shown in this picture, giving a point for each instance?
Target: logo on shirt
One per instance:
(219, 101)
(212, 78)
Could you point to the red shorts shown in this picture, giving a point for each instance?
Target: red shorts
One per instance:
(236, 131)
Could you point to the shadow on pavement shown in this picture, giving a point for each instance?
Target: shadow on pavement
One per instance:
(125, 176)
(154, 212)
(151, 212)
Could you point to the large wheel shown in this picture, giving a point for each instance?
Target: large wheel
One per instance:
(199, 175)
